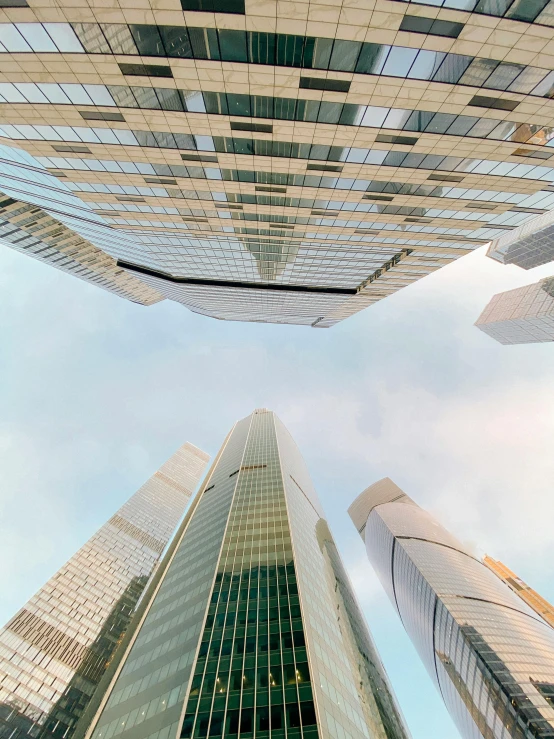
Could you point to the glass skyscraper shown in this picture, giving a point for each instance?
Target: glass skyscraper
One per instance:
(253, 628)
(489, 654)
(54, 651)
(282, 162)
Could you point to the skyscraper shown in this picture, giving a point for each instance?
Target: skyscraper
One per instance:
(489, 654)
(54, 651)
(528, 246)
(530, 596)
(253, 627)
(521, 316)
(324, 155)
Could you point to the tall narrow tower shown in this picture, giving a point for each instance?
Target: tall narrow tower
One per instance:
(54, 651)
(254, 628)
(488, 653)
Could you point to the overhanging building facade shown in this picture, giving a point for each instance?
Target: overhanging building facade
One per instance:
(253, 628)
(54, 651)
(488, 653)
(284, 162)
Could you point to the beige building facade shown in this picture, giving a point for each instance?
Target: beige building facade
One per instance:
(56, 648)
(285, 161)
(524, 315)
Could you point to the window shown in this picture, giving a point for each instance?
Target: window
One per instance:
(418, 24)
(324, 167)
(73, 149)
(146, 70)
(259, 127)
(384, 138)
(482, 101)
(445, 178)
(215, 6)
(93, 115)
(316, 83)
(199, 158)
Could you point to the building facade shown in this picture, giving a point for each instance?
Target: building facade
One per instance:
(489, 654)
(54, 651)
(524, 315)
(530, 596)
(324, 155)
(253, 627)
(528, 246)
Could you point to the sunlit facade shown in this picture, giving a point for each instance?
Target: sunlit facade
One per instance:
(524, 315)
(530, 596)
(54, 651)
(489, 654)
(254, 628)
(285, 162)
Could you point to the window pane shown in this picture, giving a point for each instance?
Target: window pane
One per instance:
(503, 76)
(261, 48)
(238, 104)
(440, 122)
(233, 46)
(345, 55)
(169, 99)
(452, 68)
(372, 58)
(176, 41)
(53, 92)
(64, 37)
(478, 71)
(92, 38)
(146, 98)
(36, 37)
(493, 7)
(329, 112)
(123, 96)
(322, 53)
(99, 95)
(399, 61)
(426, 65)
(119, 38)
(77, 94)
(526, 10)
(148, 40)
(462, 125)
(12, 39)
(374, 116)
(289, 50)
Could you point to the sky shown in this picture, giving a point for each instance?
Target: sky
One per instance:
(97, 392)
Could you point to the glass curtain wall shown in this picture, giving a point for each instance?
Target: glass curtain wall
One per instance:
(276, 645)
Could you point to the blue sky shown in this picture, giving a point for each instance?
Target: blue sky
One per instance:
(97, 392)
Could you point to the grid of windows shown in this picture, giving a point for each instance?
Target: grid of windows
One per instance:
(534, 11)
(244, 636)
(252, 674)
(409, 128)
(54, 651)
(305, 52)
(481, 643)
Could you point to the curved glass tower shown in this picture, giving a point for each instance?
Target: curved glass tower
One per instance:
(253, 629)
(489, 654)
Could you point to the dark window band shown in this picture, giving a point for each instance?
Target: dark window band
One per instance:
(309, 52)
(524, 12)
(279, 287)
